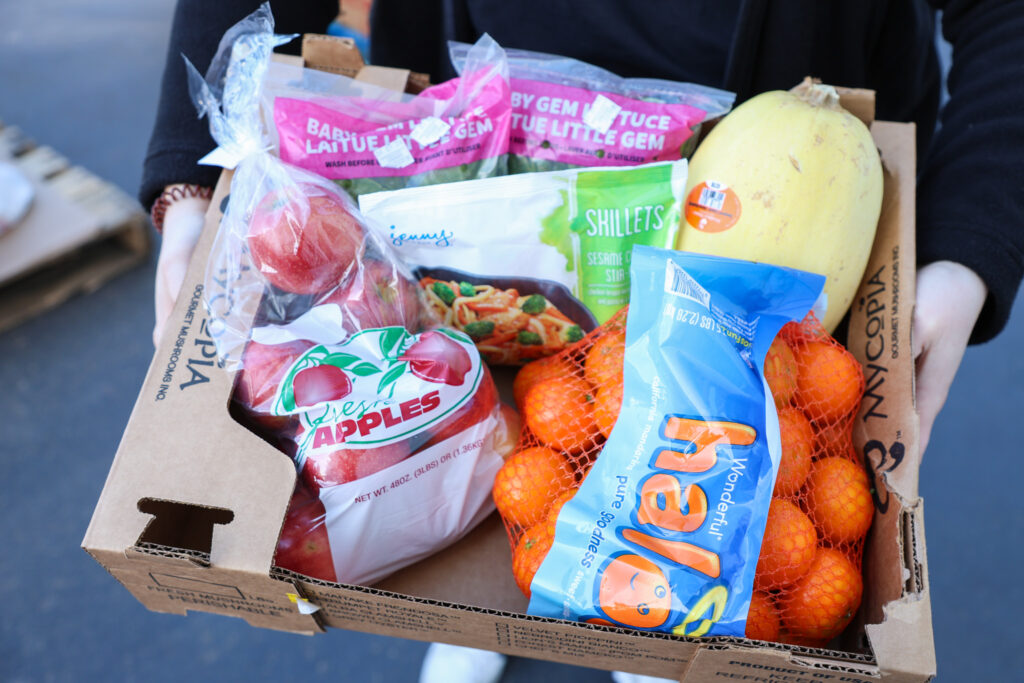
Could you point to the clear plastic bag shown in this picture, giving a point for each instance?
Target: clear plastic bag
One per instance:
(392, 420)
(368, 139)
(569, 113)
(527, 264)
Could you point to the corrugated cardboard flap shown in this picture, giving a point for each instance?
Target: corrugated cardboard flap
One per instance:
(771, 662)
(181, 448)
(896, 610)
(193, 505)
(332, 53)
(904, 642)
(341, 56)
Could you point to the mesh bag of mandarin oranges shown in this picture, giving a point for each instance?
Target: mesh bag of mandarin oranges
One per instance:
(712, 509)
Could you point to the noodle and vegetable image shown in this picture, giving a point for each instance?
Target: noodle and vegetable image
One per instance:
(508, 327)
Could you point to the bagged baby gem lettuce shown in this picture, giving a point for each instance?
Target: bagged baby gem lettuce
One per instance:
(569, 113)
(392, 420)
(665, 530)
(368, 139)
(527, 264)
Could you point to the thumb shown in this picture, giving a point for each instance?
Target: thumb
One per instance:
(174, 275)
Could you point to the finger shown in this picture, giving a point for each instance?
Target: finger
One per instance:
(174, 277)
(917, 336)
(925, 418)
(162, 308)
(936, 369)
(171, 267)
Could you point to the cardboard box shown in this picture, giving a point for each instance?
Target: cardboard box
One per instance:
(193, 505)
(80, 232)
(341, 56)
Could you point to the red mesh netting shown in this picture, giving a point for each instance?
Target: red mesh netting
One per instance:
(808, 582)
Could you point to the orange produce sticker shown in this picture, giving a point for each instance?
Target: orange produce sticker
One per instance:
(712, 207)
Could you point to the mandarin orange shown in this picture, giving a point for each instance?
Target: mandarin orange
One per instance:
(560, 413)
(787, 548)
(833, 439)
(797, 449)
(530, 551)
(603, 365)
(830, 381)
(607, 407)
(824, 600)
(762, 618)
(556, 507)
(839, 499)
(538, 371)
(528, 482)
(780, 372)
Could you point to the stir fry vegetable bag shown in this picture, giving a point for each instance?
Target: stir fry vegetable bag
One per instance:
(664, 532)
(368, 138)
(391, 419)
(569, 113)
(527, 264)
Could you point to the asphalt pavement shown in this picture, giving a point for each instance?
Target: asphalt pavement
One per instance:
(83, 77)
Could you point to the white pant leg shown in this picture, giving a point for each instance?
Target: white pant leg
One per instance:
(623, 677)
(454, 664)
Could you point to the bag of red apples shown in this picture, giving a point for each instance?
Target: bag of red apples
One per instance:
(393, 421)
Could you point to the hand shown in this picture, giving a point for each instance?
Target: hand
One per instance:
(949, 299)
(183, 222)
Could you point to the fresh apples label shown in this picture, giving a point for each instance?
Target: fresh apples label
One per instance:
(378, 387)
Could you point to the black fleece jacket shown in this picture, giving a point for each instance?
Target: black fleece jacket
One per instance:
(970, 205)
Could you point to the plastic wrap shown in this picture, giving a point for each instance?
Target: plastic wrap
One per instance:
(527, 264)
(369, 139)
(569, 113)
(392, 420)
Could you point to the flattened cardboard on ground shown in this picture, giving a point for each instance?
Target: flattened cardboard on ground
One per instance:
(193, 496)
(79, 233)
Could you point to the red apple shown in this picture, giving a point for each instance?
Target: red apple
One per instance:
(379, 295)
(348, 464)
(303, 238)
(304, 546)
(372, 460)
(475, 410)
(263, 368)
(279, 432)
(436, 357)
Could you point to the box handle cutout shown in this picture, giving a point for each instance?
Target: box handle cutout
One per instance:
(914, 583)
(181, 525)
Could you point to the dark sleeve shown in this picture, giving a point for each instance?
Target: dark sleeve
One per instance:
(970, 206)
(409, 34)
(179, 137)
(414, 34)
